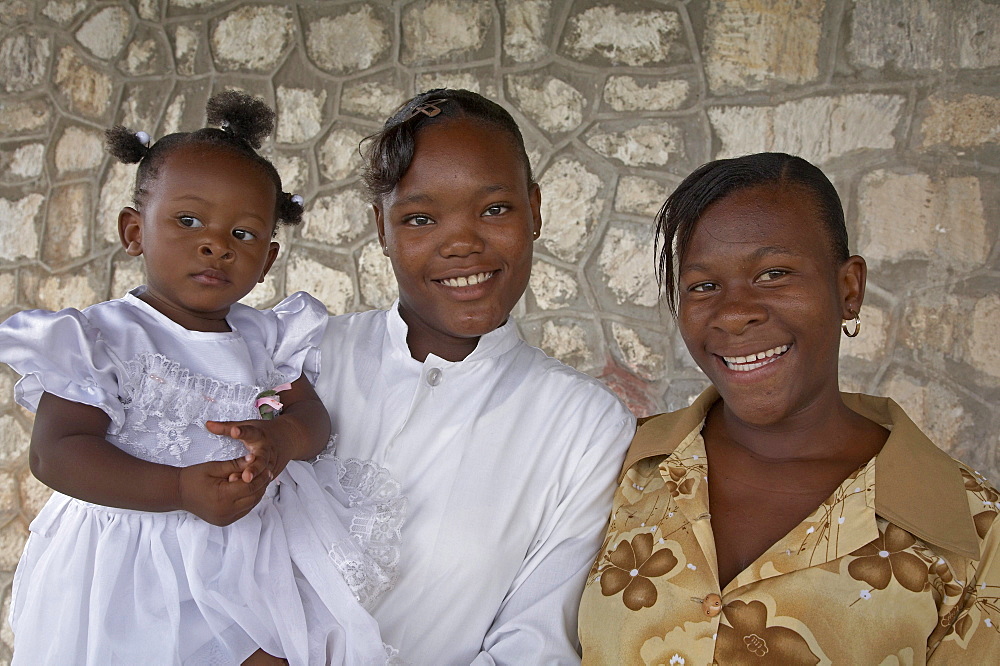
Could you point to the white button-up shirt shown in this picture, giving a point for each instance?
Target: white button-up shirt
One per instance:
(508, 460)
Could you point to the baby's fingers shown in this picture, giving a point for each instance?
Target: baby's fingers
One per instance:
(253, 467)
(245, 431)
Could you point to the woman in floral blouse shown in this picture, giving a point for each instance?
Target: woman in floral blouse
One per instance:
(830, 529)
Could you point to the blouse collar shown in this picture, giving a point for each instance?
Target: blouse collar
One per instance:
(918, 486)
(491, 345)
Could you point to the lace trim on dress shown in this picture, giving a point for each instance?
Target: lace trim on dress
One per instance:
(375, 527)
(163, 400)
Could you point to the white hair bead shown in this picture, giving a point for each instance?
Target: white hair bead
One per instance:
(143, 137)
(297, 198)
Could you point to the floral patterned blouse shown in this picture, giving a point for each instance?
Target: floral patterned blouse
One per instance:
(899, 566)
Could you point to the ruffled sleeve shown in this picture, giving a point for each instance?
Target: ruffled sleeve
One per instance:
(63, 354)
(301, 323)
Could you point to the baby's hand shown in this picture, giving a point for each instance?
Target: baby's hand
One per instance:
(205, 490)
(262, 440)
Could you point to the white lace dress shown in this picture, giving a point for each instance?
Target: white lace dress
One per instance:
(99, 585)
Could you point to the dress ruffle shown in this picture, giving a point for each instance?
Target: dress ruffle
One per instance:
(63, 354)
(223, 590)
(301, 323)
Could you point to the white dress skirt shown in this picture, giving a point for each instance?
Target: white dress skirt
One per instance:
(99, 585)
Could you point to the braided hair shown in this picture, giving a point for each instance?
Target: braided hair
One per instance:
(243, 122)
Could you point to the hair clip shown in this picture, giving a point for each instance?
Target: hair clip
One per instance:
(224, 126)
(429, 108)
(143, 138)
(297, 199)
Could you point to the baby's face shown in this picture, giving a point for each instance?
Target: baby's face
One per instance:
(459, 228)
(205, 233)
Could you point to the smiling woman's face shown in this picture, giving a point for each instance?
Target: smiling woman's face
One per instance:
(761, 301)
(458, 229)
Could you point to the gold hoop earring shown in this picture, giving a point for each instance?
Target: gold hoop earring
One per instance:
(857, 327)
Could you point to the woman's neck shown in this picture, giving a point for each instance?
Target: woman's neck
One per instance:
(827, 429)
(450, 349)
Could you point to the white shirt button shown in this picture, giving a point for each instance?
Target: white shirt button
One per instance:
(434, 376)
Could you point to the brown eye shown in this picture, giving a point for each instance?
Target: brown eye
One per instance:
(190, 221)
(243, 234)
(418, 221)
(772, 274)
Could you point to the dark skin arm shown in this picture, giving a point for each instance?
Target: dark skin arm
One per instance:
(300, 432)
(70, 454)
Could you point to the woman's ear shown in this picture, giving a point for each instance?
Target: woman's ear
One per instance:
(535, 196)
(380, 227)
(851, 278)
(130, 230)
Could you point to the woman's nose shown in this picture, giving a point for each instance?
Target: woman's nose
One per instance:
(738, 310)
(462, 238)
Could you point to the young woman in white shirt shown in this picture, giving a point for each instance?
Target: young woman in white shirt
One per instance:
(508, 457)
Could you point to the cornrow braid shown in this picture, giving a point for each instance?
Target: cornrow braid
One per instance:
(245, 121)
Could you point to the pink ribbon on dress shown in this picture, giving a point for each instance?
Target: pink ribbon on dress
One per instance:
(270, 399)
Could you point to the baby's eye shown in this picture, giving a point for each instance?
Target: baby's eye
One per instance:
(496, 209)
(243, 234)
(418, 221)
(702, 287)
(190, 221)
(772, 274)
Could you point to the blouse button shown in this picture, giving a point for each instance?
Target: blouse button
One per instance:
(712, 605)
(434, 376)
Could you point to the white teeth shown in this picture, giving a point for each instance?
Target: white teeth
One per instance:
(754, 361)
(467, 281)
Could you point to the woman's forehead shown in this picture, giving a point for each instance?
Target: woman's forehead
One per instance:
(761, 216)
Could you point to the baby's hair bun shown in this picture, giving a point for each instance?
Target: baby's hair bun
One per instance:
(290, 208)
(242, 115)
(125, 145)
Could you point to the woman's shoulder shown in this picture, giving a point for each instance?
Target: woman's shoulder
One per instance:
(355, 333)
(552, 377)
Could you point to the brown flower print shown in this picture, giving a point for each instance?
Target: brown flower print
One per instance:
(633, 563)
(983, 521)
(642, 479)
(750, 640)
(678, 485)
(885, 557)
(945, 585)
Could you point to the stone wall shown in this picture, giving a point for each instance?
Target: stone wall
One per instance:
(898, 101)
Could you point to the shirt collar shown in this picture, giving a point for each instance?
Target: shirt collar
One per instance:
(918, 486)
(491, 345)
